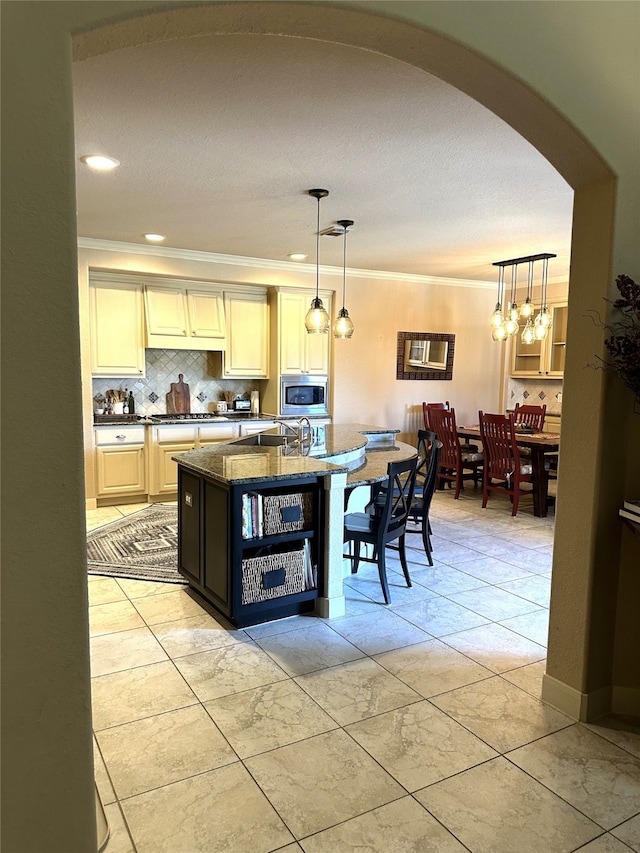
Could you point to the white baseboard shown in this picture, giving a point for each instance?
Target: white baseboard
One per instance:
(585, 707)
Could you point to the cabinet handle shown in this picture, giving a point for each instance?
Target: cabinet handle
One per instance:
(121, 437)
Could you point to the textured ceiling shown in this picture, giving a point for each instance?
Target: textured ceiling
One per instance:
(221, 137)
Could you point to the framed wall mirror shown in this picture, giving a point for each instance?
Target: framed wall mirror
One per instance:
(425, 355)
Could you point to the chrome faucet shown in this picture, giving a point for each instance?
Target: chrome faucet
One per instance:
(288, 426)
(302, 430)
(302, 437)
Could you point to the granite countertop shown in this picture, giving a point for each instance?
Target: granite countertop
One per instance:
(374, 469)
(212, 418)
(238, 463)
(248, 464)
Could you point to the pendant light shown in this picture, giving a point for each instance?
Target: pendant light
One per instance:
(343, 326)
(526, 311)
(497, 320)
(317, 320)
(511, 324)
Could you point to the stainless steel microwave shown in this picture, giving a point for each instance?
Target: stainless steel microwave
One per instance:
(303, 395)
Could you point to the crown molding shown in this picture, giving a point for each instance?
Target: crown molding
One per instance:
(265, 264)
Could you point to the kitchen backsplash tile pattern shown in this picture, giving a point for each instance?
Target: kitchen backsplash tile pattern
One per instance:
(162, 368)
(529, 391)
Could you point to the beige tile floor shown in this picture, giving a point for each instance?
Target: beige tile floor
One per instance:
(413, 727)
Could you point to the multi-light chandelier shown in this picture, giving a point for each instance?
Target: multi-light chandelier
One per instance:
(317, 320)
(505, 320)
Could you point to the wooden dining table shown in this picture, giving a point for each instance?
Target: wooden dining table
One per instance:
(539, 443)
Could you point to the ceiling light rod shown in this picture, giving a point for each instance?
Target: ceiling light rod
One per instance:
(343, 326)
(317, 320)
(524, 260)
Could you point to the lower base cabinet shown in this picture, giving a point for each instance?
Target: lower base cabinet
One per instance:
(120, 470)
(249, 578)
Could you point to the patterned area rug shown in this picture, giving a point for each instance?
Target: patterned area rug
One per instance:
(142, 546)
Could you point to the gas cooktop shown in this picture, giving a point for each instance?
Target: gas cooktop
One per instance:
(187, 416)
(191, 417)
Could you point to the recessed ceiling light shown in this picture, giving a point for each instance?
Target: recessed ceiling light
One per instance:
(99, 162)
(297, 256)
(154, 238)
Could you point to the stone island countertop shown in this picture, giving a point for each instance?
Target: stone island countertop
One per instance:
(361, 450)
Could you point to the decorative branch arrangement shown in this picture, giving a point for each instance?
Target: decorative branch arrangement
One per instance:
(623, 343)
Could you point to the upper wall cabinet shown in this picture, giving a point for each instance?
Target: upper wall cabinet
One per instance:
(543, 359)
(247, 352)
(298, 351)
(180, 315)
(116, 319)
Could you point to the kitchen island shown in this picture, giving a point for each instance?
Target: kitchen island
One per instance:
(260, 518)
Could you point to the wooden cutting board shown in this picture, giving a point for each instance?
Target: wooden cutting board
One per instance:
(178, 399)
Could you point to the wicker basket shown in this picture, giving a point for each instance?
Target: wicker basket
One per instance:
(287, 513)
(272, 576)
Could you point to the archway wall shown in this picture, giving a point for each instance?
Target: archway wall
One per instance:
(567, 111)
(47, 754)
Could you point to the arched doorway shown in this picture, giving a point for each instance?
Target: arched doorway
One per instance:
(545, 128)
(39, 196)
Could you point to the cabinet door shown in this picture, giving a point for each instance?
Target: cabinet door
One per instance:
(526, 359)
(246, 355)
(120, 470)
(209, 435)
(189, 557)
(166, 470)
(206, 314)
(252, 429)
(166, 313)
(300, 352)
(317, 350)
(544, 359)
(116, 319)
(557, 341)
(292, 308)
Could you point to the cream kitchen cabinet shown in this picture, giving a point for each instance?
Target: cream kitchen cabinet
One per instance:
(180, 315)
(543, 359)
(298, 351)
(165, 442)
(552, 423)
(215, 433)
(247, 352)
(116, 326)
(252, 429)
(120, 461)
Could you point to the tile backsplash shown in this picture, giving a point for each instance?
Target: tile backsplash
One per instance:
(536, 392)
(162, 368)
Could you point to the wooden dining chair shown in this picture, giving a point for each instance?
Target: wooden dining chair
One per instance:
(425, 411)
(504, 470)
(456, 464)
(531, 416)
(385, 524)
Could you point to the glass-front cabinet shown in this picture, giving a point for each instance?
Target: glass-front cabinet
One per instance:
(546, 358)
